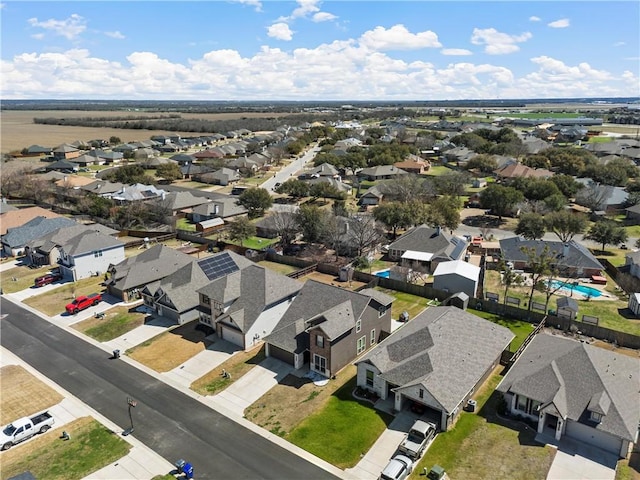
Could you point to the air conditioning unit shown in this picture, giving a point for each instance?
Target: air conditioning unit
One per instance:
(471, 405)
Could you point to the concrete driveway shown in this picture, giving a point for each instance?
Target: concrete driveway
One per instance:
(258, 381)
(576, 461)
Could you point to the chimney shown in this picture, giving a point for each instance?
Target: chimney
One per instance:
(565, 250)
(438, 230)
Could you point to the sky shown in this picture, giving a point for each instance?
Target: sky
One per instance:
(319, 50)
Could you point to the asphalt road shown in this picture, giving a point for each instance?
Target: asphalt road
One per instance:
(166, 420)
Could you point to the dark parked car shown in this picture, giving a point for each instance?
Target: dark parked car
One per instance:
(46, 279)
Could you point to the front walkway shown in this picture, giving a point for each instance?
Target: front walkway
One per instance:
(577, 461)
(255, 383)
(140, 334)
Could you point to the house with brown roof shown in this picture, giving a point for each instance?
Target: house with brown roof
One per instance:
(413, 164)
(17, 218)
(518, 170)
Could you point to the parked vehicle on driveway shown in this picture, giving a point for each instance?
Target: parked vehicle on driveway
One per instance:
(46, 279)
(398, 468)
(83, 302)
(25, 428)
(417, 439)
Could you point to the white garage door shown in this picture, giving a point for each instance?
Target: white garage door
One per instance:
(594, 437)
(233, 336)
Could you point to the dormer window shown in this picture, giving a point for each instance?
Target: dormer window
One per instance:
(596, 417)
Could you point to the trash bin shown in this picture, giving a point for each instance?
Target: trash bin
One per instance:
(471, 405)
(116, 354)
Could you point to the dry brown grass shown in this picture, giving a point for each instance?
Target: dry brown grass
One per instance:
(53, 302)
(22, 394)
(293, 400)
(239, 364)
(19, 131)
(630, 352)
(331, 280)
(170, 349)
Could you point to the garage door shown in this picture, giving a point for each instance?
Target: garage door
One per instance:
(280, 354)
(233, 336)
(594, 437)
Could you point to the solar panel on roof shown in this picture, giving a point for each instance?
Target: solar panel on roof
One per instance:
(218, 266)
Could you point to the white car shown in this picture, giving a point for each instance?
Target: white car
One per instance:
(399, 468)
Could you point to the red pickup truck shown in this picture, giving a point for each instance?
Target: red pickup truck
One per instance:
(83, 302)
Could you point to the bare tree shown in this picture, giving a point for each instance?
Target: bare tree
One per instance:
(286, 226)
(594, 195)
(364, 233)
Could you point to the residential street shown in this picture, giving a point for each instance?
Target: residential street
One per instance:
(287, 171)
(171, 423)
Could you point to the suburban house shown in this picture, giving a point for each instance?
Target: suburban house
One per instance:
(17, 238)
(138, 192)
(327, 327)
(221, 207)
(633, 213)
(437, 360)
(573, 259)
(130, 276)
(89, 254)
(324, 170)
(634, 304)
(244, 306)
(103, 188)
(457, 276)
(224, 176)
(380, 172)
(16, 217)
(577, 390)
(611, 198)
(66, 152)
(271, 226)
(413, 164)
(427, 246)
(177, 202)
(632, 263)
(63, 165)
(518, 170)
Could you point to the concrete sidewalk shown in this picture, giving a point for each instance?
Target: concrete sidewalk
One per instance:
(258, 381)
(140, 463)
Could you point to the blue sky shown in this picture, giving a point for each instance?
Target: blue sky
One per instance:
(313, 50)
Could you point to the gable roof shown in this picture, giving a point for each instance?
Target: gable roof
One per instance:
(515, 170)
(34, 229)
(578, 255)
(64, 237)
(458, 267)
(180, 287)
(576, 377)
(430, 240)
(18, 217)
(444, 349)
(181, 200)
(381, 171)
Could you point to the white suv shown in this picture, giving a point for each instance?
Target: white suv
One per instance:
(398, 468)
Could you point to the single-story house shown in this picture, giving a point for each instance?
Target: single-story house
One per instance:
(633, 212)
(380, 172)
(245, 305)
(224, 176)
(62, 165)
(323, 170)
(517, 170)
(567, 307)
(177, 202)
(221, 207)
(457, 276)
(438, 360)
(634, 304)
(413, 165)
(272, 225)
(427, 245)
(573, 259)
(573, 389)
(17, 239)
(66, 152)
(17, 217)
(327, 327)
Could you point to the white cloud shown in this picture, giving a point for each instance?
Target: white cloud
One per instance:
(70, 28)
(323, 17)
(498, 43)
(455, 51)
(533, 18)
(38, 36)
(2, 5)
(619, 44)
(562, 23)
(115, 34)
(398, 38)
(252, 3)
(280, 31)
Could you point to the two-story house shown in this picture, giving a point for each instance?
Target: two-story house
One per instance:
(327, 327)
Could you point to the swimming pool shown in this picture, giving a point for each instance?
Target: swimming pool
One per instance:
(383, 273)
(586, 291)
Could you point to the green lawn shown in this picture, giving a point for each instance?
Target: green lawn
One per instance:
(520, 329)
(413, 304)
(116, 322)
(600, 139)
(282, 268)
(19, 278)
(480, 445)
(342, 431)
(91, 447)
(184, 224)
(257, 243)
(438, 170)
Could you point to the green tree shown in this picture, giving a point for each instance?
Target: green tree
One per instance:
(452, 183)
(256, 201)
(311, 220)
(509, 278)
(128, 174)
(531, 226)
(607, 232)
(325, 190)
(294, 188)
(169, 171)
(113, 140)
(241, 229)
(566, 184)
(361, 263)
(565, 224)
(540, 264)
(444, 212)
(500, 199)
(393, 215)
(485, 163)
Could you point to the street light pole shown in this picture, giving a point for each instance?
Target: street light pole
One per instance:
(131, 403)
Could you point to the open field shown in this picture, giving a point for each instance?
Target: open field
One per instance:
(170, 349)
(31, 397)
(92, 446)
(239, 364)
(19, 131)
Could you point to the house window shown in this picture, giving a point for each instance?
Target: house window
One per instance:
(596, 417)
(369, 378)
(206, 319)
(319, 364)
(373, 336)
(381, 311)
(358, 326)
(421, 393)
(320, 341)
(97, 253)
(521, 403)
(206, 300)
(362, 344)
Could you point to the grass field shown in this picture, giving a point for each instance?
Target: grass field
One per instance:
(438, 170)
(257, 243)
(91, 447)
(185, 224)
(239, 364)
(117, 321)
(278, 267)
(520, 329)
(52, 303)
(19, 278)
(31, 397)
(412, 304)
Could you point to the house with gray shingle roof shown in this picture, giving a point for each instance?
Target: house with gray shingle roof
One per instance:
(574, 260)
(180, 200)
(88, 254)
(577, 390)
(245, 305)
(438, 360)
(220, 207)
(381, 172)
(130, 276)
(327, 327)
(427, 245)
(17, 238)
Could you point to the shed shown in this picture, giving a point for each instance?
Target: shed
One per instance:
(567, 307)
(459, 300)
(457, 276)
(207, 226)
(634, 304)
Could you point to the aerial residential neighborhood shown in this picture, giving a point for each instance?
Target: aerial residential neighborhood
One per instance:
(313, 239)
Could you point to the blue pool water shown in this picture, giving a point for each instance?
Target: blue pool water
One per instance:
(383, 273)
(587, 291)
